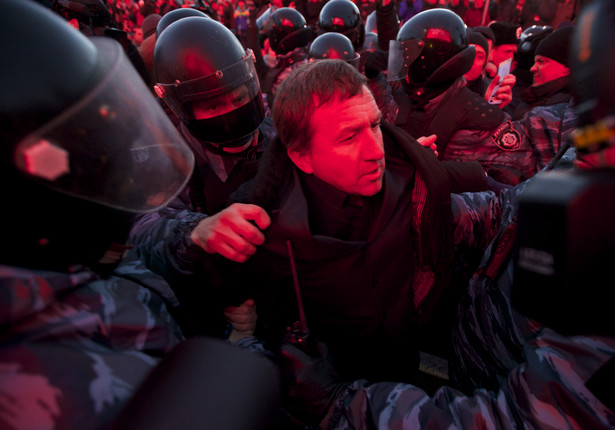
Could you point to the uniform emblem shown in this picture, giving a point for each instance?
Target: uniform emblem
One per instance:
(506, 137)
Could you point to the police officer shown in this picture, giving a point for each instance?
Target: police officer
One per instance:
(342, 16)
(87, 337)
(172, 16)
(334, 45)
(528, 41)
(84, 149)
(209, 81)
(429, 58)
(289, 37)
(550, 72)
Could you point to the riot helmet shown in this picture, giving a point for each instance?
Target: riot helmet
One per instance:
(528, 41)
(175, 14)
(431, 49)
(342, 16)
(209, 81)
(286, 29)
(264, 22)
(83, 141)
(371, 42)
(332, 46)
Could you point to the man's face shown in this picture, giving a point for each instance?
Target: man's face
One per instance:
(346, 150)
(503, 53)
(138, 36)
(479, 64)
(546, 69)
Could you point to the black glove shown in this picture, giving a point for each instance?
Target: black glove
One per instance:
(311, 383)
(376, 62)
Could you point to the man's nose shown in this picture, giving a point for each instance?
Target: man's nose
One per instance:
(374, 146)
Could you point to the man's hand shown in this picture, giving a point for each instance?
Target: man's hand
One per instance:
(491, 70)
(231, 232)
(429, 142)
(242, 318)
(503, 91)
(312, 383)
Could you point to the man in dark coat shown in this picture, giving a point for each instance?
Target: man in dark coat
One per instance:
(373, 245)
(534, 352)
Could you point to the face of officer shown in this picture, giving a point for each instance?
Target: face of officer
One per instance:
(480, 59)
(224, 103)
(346, 149)
(546, 69)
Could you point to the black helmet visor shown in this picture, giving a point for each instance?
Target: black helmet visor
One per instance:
(115, 146)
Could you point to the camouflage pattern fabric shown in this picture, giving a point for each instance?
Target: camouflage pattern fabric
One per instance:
(511, 372)
(486, 345)
(546, 392)
(516, 150)
(476, 217)
(546, 128)
(162, 239)
(75, 347)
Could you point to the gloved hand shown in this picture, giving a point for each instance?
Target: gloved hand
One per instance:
(376, 62)
(311, 383)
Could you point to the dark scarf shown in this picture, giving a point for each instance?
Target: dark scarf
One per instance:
(539, 95)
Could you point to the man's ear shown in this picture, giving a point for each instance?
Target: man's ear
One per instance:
(302, 160)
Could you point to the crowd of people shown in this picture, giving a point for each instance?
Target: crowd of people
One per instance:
(128, 15)
(258, 215)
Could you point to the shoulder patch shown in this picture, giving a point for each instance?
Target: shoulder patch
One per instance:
(506, 137)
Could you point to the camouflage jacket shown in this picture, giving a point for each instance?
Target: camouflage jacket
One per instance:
(547, 391)
(75, 347)
(516, 150)
(514, 372)
(546, 129)
(162, 238)
(470, 129)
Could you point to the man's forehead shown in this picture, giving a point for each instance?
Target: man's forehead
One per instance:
(506, 47)
(338, 97)
(344, 112)
(479, 49)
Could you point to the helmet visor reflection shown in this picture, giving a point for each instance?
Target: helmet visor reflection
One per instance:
(401, 56)
(115, 147)
(180, 95)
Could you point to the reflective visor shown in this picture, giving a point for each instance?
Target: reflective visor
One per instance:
(401, 55)
(180, 95)
(115, 147)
